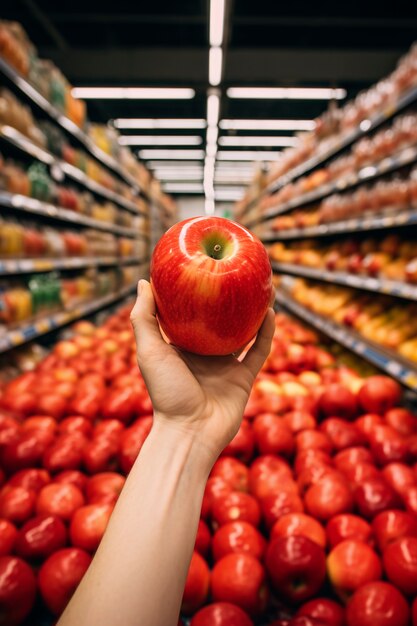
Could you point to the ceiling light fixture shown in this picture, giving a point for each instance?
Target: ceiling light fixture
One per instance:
(258, 141)
(287, 93)
(152, 165)
(213, 109)
(212, 134)
(171, 154)
(209, 206)
(267, 124)
(160, 140)
(247, 155)
(215, 66)
(180, 175)
(133, 93)
(183, 187)
(217, 13)
(157, 123)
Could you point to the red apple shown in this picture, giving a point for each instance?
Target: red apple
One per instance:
(342, 434)
(311, 457)
(238, 537)
(17, 590)
(267, 474)
(360, 472)
(88, 525)
(377, 604)
(299, 420)
(400, 564)
(203, 539)
(347, 526)
(338, 401)
(212, 265)
(74, 477)
(366, 423)
(328, 497)
(197, 585)
(351, 456)
(104, 488)
(325, 611)
(17, 504)
(221, 614)
(273, 436)
(299, 524)
(402, 420)
(275, 505)
(8, 534)
(391, 525)
(296, 566)
(379, 394)
(399, 476)
(240, 579)
(313, 440)
(30, 478)
(351, 564)
(41, 536)
(234, 506)
(232, 471)
(375, 495)
(243, 443)
(410, 499)
(60, 575)
(61, 499)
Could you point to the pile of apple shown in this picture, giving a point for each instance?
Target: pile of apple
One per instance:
(309, 517)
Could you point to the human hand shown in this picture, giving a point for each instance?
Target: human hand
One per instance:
(204, 396)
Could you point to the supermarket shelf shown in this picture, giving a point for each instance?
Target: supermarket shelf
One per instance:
(15, 138)
(379, 285)
(25, 266)
(36, 207)
(368, 126)
(388, 219)
(30, 92)
(28, 332)
(402, 370)
(364, 175)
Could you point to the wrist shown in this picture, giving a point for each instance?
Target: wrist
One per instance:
(175, 439)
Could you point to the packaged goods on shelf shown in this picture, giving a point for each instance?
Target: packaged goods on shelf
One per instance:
(383, 320)
(390, 257)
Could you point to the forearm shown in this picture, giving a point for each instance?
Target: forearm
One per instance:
(139, 571)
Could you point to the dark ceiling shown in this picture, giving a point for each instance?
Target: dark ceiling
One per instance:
(268, 43)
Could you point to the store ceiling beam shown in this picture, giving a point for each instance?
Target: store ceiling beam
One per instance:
(269, 66)
(47, 24)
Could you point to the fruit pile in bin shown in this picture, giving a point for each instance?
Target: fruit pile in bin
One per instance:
(310, 511)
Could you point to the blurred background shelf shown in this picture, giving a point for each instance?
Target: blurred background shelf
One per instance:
(378, 285)
(402, 370)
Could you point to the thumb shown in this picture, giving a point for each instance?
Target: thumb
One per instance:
(144, 322)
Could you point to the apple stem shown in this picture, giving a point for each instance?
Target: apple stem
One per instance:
(217, 247)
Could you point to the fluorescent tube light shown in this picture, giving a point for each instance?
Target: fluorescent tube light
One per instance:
(211, 149)
(133, 93)
(216, 22)
(209, 206)
(267, 124)
(178, 175)
(154, 165)
(213, 109)
(290, 93)
(183, 187)
(215, 66)
(156, 123)
(171, 154)
(247, 155)
(258, 141)
(160, 140)
(212, 134)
